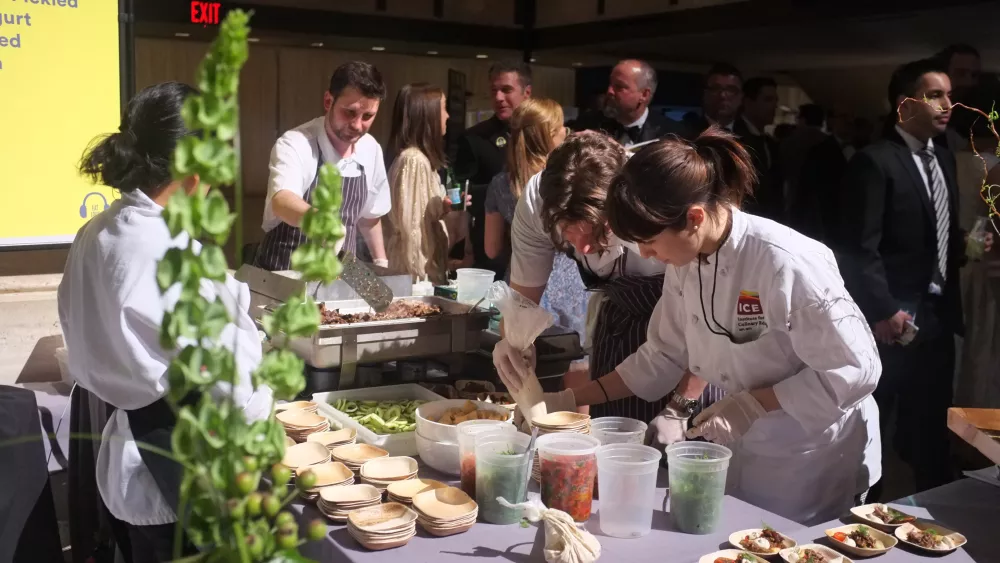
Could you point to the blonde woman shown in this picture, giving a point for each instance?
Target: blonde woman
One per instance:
(416, 238)
(536, 128)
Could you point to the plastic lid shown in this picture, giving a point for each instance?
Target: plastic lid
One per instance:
(567, 444)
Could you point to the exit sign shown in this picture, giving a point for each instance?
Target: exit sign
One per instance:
(205, 13)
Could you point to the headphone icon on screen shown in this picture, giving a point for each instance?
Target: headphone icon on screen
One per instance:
(83, 208)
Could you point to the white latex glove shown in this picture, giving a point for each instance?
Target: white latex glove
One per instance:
(561, 401)
(728, 420)
(667, 428)
(381, 262)
(513, 365)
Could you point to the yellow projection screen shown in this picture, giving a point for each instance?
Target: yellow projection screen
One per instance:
(59, 88)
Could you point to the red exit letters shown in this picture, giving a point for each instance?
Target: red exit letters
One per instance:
(205, 13)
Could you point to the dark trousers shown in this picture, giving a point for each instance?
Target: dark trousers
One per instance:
(917, 381)
(155, 544)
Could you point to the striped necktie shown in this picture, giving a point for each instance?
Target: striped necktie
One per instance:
(939, 195)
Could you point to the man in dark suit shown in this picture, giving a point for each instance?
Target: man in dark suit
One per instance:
(483, 148)
(626, 106)
(814, 211)
(900, 249)
(721, 100)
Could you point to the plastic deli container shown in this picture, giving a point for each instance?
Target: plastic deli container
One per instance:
(473, 283)
(468, 431)
(697, 472)
(502, 467)
(618, 430)
(628, 488)
(568, 469)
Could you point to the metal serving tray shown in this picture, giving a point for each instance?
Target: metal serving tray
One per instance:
(457, 330)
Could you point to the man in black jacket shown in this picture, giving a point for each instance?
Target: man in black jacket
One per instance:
(626, 117)
(722, 98)
(483, 148)
(900, 251)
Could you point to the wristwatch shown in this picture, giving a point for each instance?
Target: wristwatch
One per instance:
(682, 404)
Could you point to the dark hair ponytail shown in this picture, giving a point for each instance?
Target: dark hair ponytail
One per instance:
(661, 182)
(137, 157)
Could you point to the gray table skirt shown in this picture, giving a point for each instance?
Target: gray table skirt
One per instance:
(968, 506)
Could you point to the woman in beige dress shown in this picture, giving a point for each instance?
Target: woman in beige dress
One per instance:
(417, 237)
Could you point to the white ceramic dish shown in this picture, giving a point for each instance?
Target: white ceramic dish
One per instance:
(403, 443)
(956, 539)
(736, 537)
(888, 541)
(788, 554)
(439, 455)
(448, 433)
(729, 554)
(865, 513)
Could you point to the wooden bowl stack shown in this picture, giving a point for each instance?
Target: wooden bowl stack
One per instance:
(337, 502)
(304, 455)
(384, 471)
(299, 424)
(329, 474)
(334, 438)
(404, 491)
(382, 527)
(356, 455)
(445, 511)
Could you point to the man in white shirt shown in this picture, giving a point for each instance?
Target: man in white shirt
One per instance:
(339, 137)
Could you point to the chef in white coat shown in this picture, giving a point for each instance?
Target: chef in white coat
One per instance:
(111, 309)
(760, 311)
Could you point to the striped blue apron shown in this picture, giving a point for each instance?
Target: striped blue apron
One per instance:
(275, 251)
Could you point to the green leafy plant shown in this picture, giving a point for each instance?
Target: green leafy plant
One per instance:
(225, 509)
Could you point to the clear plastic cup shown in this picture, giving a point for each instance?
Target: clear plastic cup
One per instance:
(618, 430)
(568, 469)
(628, 488)
(697, 472)
(473, 283)
(468, 432)
(502, 468)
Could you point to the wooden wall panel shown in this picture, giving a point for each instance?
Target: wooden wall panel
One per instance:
(479, 12)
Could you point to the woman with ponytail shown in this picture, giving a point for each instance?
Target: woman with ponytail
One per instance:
(111, 309)
(760, 311)
(536, 129)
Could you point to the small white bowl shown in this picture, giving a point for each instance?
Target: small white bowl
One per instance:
(439, 455)
(830, 554)
(866, 513)
(448, 433)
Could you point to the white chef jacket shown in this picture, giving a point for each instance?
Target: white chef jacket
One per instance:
(534, 252)
(797, 329)
(295, 161)
(110, 308)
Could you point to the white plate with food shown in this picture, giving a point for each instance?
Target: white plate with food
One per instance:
(861, 540)
(882, 516)
(813, 553)
(930, 537)
(764, 542)
(731, 556)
